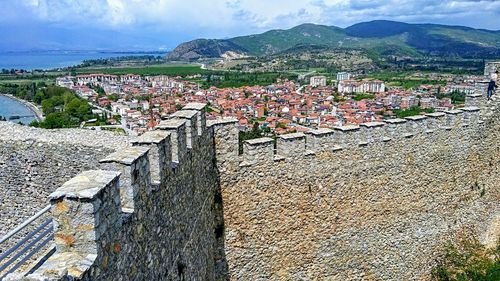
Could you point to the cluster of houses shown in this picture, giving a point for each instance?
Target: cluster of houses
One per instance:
(281, 108)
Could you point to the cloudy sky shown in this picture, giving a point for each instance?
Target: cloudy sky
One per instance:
(162, 24)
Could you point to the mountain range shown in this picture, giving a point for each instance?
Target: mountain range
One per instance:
(384, 38)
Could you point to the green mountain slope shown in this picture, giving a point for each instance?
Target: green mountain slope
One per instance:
(380, 37)
(433, 39)
(275, 41)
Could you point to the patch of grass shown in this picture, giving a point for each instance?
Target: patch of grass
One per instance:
(118, 131)
(402, 79)
(411, 111)
(175, 70)
(359, 97)
(468, 260)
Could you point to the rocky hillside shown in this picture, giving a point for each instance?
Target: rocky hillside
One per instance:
(204, 48)
(381, 37)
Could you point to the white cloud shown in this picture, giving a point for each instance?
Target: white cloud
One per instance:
(224, 18)
(251, 13)
(151, 23)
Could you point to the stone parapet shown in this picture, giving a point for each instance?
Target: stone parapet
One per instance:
(291, 145)
(372, 132)
(348, 135)
(436, 121)
(395, 128)
(136, 222)
(133, 164)
(471, 115)
(80, 209)
(453, 119)
(86, 213)
(258, 151)
(297, 146)
(225, 135)
(201, 118)
(416, 125)
(192, 122)
(160, 153)
(178, 137)
(320, 140)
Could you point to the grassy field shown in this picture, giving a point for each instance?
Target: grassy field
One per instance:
(171, 70)
(25, 81)
(403, 79)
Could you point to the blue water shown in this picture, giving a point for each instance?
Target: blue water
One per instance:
(53, 59)
(10, 107)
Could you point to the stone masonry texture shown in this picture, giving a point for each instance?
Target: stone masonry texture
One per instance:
(375, 202)
(112, 222)
(369, 211)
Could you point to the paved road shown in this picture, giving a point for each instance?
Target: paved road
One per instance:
(299, 90)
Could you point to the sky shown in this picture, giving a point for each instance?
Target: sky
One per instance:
(163, 24)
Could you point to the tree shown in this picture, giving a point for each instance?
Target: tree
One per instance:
(114, 97)
(56, 120)
(39, 96)
(47, 106)
(71, 107)
(83, 109)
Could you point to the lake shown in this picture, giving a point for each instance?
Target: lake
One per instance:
(55, 59)
(11, 107)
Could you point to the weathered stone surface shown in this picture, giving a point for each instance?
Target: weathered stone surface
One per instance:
(85, 185)
(35, 162)
(126, 156)
(323, 207)
(382, 211)
(172, 232)
(151, 137)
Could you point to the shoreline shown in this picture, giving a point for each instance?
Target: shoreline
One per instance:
(30, 106)
(66, 59)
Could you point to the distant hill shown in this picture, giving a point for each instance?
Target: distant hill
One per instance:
(381, 37)
(205, 48)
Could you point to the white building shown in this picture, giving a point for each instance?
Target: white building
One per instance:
(341, 76)
(466, 89)
(428, 103)
(95, 78)
(318, 81)
(66, 82)
(365, 86)
(130, 78)
(119, 108)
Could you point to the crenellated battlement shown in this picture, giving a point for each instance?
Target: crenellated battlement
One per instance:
(140, 195)
(294, 147)
(154, 210)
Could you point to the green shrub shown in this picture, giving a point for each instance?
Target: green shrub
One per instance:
(415, 110)
(468, 260)
(359, 97)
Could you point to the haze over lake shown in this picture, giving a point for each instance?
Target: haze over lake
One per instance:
(57, 59)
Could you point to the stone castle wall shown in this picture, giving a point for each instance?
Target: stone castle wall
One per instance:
(151, 212)
(375, 202)
(35, 162)
(491, 67)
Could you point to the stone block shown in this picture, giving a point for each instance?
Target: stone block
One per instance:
(291, 145)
